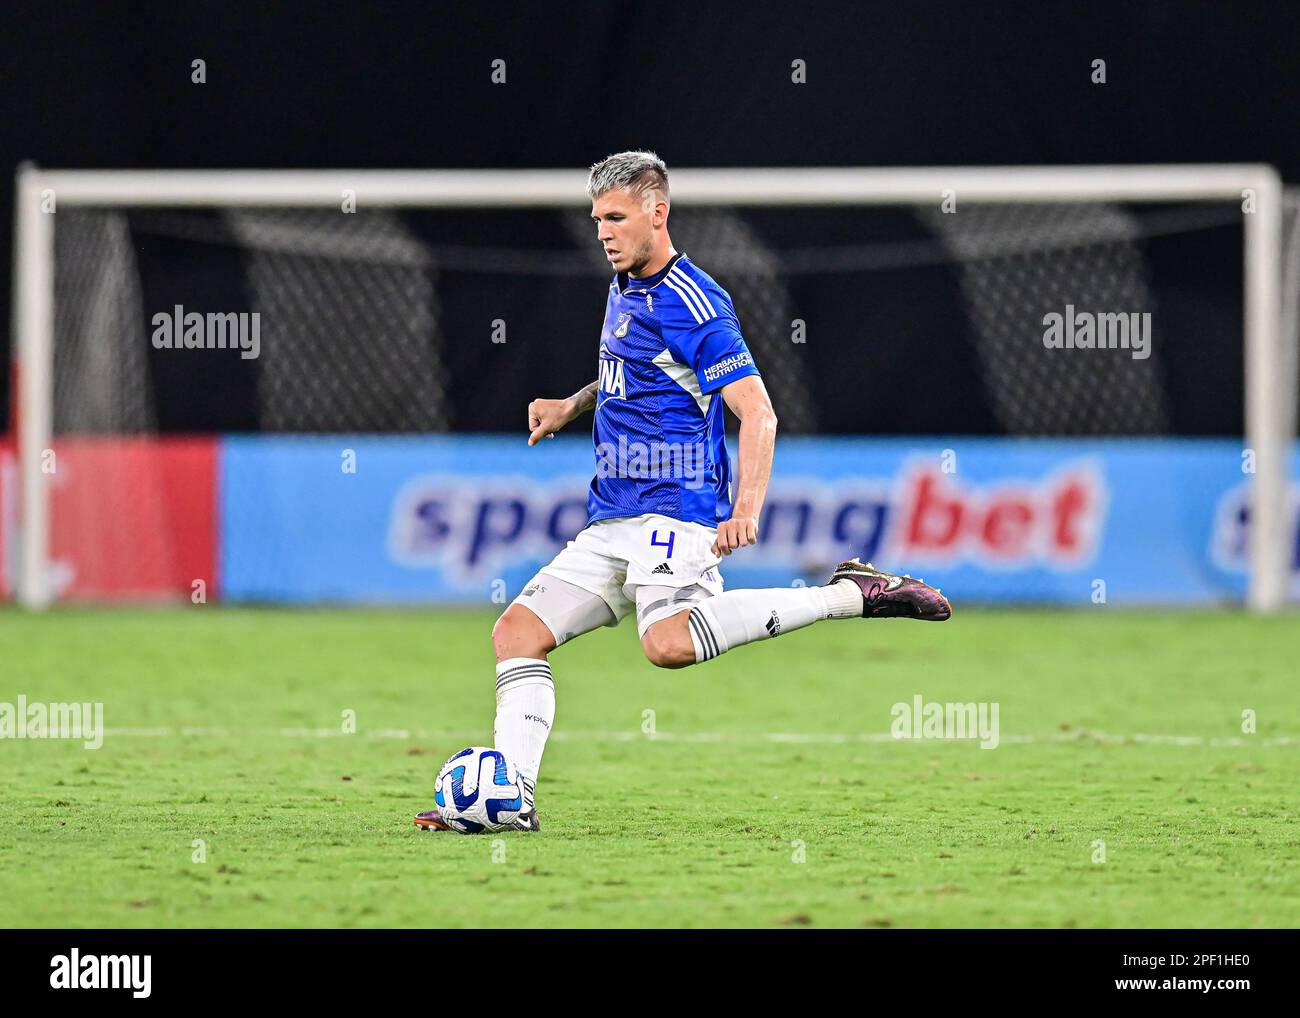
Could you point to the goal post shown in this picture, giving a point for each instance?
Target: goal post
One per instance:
(1270, 396)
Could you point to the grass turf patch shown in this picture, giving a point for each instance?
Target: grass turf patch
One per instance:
(760, 789)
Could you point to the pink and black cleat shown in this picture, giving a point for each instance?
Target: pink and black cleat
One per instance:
(885, 596)
(431, 820)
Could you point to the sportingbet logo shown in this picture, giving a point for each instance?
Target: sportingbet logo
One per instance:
(473, 528)
(75, 971)
(1055, 522)
(1230, 536)
(477, 528)
(929, 518)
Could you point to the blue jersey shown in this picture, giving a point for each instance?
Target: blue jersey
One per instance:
(669, 343)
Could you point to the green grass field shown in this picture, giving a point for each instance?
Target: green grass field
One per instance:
(226, 726)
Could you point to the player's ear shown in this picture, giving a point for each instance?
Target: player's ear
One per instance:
(660, 214)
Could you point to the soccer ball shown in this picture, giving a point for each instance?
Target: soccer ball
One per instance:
(479, 790)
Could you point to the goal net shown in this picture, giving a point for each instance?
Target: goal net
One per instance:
(156, 311)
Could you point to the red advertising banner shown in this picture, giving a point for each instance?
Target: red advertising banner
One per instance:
(131, 518)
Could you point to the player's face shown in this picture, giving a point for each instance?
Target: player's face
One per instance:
(625, 227)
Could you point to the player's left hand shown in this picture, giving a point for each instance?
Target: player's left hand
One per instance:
(735, 533)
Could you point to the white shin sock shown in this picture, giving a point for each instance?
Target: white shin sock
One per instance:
(525, 714)
(742, 616)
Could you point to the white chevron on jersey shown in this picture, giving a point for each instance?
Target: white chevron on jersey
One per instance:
(688, 298)
(681, 277)
(684, 377)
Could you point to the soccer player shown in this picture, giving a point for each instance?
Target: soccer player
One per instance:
(663, 510)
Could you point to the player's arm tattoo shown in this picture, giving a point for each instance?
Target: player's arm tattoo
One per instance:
(585, 398)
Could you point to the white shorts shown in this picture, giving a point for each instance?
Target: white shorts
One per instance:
(656, 564)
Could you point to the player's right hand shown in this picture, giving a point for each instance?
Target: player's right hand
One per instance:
(546, 417)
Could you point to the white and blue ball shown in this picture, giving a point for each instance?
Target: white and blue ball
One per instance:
(479, 790)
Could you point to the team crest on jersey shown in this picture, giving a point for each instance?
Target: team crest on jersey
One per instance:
(613, 384)
(624, 320)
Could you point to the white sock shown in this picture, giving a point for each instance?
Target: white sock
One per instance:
(742, 616)
(525, 713)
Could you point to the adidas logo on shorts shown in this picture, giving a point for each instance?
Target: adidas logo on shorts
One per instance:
(661, 570)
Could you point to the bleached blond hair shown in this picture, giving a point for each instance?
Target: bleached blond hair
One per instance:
(635, 171)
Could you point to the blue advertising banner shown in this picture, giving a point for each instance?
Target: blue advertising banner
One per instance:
(470, 518)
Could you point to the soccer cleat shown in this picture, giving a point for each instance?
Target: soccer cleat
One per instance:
(431, 820)
(528, 821)
(885, 596)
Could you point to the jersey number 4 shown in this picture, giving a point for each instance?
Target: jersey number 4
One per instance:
(656, 543)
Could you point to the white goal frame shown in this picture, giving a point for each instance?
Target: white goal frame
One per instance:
(1270, 396)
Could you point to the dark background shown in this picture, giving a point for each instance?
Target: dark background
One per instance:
(100, 85)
